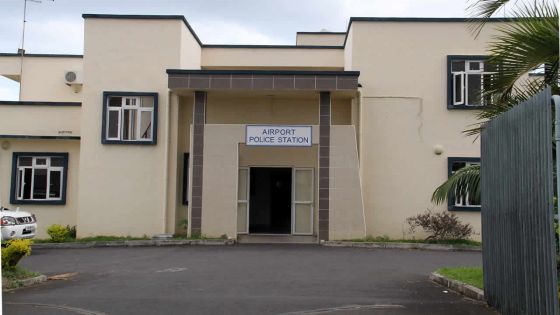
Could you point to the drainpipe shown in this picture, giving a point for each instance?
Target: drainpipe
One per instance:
(556, 101)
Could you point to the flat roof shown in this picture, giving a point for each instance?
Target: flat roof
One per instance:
(277, 80)
(321, 33)
(262, 72)
(41, 55)
(39, 103)
(352, 19)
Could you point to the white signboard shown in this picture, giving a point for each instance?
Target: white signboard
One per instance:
(278, 136)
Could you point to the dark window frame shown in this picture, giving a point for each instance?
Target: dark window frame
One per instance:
(451, 202)
(450, 59)
(13, 188)
(106, 95)
(186, 157)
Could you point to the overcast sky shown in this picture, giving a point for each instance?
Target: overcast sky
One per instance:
(57, 27)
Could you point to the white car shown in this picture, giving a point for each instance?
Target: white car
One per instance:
(17, 224)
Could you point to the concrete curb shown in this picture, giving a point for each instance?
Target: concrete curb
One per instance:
(135, 243)
(16, 284)
(391, 245)
(458, 286)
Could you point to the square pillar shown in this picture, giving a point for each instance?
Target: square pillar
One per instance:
(199, 119)
(324, 165)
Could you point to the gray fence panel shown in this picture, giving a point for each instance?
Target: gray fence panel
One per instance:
(519, 258)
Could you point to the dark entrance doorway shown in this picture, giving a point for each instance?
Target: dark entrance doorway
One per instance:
(270, 194)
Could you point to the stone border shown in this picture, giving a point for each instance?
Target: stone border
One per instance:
(132, 243)
(458, 286)
(16, 284)
(395, 245)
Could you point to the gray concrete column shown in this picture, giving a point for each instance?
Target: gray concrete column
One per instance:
(324, 166)
(199, 119)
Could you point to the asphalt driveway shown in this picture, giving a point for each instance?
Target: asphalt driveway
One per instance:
(241, 279)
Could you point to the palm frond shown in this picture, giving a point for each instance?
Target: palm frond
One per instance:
(519, 47)
(481, 10)
(463, 182)
(485, 9)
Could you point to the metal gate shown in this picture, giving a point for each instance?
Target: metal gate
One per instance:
(517, 210)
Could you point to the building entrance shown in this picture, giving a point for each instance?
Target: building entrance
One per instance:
(270, 200)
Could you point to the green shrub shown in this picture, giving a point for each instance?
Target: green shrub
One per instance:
(71, 231)
(58, 233)
(14, 251)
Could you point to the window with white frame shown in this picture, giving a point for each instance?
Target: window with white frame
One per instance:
(39, 178)
(461, 202)
(130, 118)
(467, 79)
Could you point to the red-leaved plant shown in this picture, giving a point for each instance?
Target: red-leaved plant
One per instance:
(440, 225)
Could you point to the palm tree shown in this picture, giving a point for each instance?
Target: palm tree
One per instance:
(527, 42)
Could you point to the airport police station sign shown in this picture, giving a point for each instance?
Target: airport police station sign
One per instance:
(278, 136)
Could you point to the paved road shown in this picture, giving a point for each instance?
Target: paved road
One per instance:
(241, 279)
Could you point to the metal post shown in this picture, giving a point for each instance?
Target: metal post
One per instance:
(556, 101)
(22, 50)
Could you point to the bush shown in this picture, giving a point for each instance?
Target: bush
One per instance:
(440, 225)
(58, 233)
(14, 251)
(71, 231)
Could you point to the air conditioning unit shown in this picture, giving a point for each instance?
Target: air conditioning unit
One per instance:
(73, 78)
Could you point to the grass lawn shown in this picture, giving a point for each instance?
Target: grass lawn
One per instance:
(469, 275)
(100, 238)
(18, 273)
(384, 239)
(105, 238)
(11, 277)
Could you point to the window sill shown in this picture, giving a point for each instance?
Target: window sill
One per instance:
(464, 208)
(151, 142)
(38, 202)
(465, 107)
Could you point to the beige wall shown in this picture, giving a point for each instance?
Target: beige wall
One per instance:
(346, 213)
(274, 109)
(325, 39)
(191, 52)
(40, 120)
(244, 58)
(10, 66)
(43, 77)
(139, 191)
(219, 186)
(404, 115)
(46, 214)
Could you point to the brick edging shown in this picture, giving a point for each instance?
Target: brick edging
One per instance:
(135, 243)
(458, 286)
(391, 245)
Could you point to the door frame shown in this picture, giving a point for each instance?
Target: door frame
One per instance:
(248, 196)
(292, 201)
(312, 221)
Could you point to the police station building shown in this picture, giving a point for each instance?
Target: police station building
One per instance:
(342, 135)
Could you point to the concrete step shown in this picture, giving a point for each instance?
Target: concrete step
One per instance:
(276, 239)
